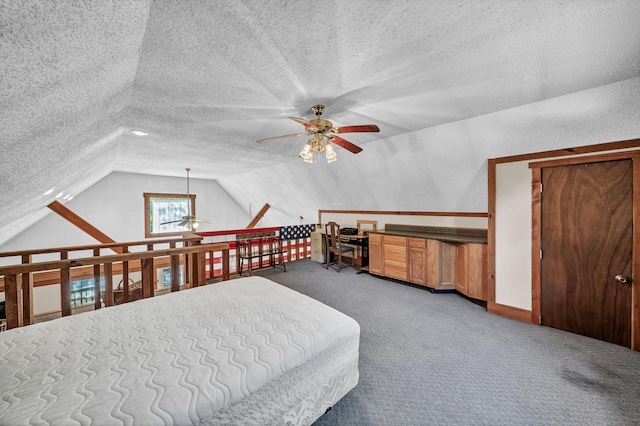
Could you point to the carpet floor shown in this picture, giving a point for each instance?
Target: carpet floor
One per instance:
(439, 359)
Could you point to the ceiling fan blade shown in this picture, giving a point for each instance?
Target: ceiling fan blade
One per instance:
(283, 136)
(305, 123)
(200, 220)
(173, 221)
(345, 144)
(356, 129)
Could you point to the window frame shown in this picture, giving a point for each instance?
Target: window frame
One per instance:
(147, 213)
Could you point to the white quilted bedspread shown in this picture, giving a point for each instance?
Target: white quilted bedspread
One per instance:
(172, 359)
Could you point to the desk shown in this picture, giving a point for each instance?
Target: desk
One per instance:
(361, 243)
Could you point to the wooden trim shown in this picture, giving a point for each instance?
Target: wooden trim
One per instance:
(258, 216)
(635, 289)
(147, 212)
(608, 146)
(491, 232)
(535, 237)
(85, 226)
(509, 312)
(401, 213)
(624, 155)
(536, 216)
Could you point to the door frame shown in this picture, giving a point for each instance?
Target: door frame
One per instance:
(536, 211)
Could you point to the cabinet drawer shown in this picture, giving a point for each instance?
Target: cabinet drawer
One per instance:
(417, 242)
(376, 238)
(396, 241)
(395, 253)
(395, 269)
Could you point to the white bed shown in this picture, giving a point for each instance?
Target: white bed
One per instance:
(245, 351)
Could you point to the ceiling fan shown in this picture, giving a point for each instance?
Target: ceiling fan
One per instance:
(324, 135)
(189, 221)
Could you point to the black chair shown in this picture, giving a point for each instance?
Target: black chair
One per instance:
(335, 247)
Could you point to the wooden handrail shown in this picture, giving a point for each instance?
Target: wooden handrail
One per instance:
(97, 260)
(193, 237)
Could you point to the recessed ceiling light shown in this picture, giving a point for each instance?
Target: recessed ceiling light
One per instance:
(139, 133)
(59, 195)
(50, 191)
(70, 198)
(66, 197)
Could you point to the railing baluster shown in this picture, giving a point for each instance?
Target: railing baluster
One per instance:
(97, 303)
(225, 264)
(13, 300)
(125, 277)
(175, 272)
(65, 291)
(108, 284)
(27, 293)
(148, 275)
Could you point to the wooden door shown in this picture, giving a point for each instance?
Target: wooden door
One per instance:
(586, 241)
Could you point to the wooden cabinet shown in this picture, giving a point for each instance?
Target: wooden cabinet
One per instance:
(417, 268)
(394, 257)
(375, 254)
(432, 263)
(471, 270)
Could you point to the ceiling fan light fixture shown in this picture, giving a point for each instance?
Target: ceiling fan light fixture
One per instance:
(307, 152)
(330, 153)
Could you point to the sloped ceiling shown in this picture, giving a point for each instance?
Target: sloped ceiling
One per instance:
(206, 79)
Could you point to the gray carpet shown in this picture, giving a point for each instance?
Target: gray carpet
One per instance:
(438, 359)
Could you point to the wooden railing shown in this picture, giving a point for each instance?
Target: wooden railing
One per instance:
(205, 256)
(18, 279)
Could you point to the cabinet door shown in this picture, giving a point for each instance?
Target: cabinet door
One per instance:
(417, 261)
(447, 265)
(461, 268)
(394, 254)
(432, 278)
(477, 271)
(375, 254)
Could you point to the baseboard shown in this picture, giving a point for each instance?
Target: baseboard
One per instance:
(509, 312)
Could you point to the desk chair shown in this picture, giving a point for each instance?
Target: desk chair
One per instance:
(334, 246)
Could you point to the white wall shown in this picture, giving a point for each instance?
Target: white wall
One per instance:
(513, 235)
(115, 205)
(349, 220)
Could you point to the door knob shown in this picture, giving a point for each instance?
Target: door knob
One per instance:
(622, 279)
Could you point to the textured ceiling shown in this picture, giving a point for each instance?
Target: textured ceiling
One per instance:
(207, 79)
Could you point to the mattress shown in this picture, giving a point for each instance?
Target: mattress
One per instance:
(245, 351)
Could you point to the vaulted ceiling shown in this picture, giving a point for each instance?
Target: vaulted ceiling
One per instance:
(206, 79)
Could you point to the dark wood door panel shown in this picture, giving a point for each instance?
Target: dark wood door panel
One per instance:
(586, 240)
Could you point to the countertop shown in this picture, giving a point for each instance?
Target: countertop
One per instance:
(449, 235)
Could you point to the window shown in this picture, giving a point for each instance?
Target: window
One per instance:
(83, 292)
(161, 208)
(166, 277)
